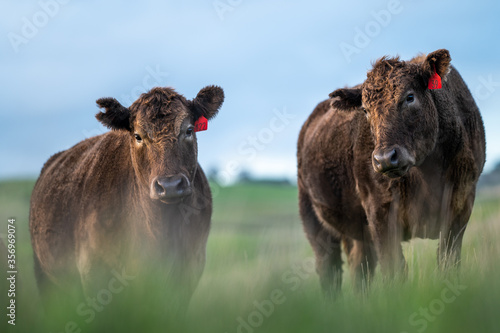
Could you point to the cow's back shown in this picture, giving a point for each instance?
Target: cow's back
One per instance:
(470, 117)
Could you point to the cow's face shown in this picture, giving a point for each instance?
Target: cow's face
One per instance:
(400, 110)
(163, 142)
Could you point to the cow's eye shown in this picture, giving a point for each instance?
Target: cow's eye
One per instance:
(189, 131)
(138, 138)
(410, 98)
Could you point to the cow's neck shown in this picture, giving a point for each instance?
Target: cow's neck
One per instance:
(451, 132)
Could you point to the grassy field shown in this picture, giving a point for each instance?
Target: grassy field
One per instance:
(260, 277)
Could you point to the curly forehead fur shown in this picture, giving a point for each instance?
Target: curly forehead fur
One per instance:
(388, 80)
(159, 112)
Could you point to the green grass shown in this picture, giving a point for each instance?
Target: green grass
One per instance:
(257, 251)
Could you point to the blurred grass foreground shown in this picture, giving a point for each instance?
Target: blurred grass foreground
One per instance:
(260, 277)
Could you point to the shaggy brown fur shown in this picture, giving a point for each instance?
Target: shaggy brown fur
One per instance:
(436, 144)
(97, 207)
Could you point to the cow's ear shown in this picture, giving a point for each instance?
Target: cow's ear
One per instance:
(208, 101)
(115, 116)
(439, 61)
(347, 99)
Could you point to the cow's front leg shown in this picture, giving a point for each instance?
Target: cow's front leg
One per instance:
(451, 235)
(387, 235)
(450, 248)
(362, 261)
(326, 246)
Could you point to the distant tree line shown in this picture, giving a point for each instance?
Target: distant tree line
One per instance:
(491, 178)
(246, 177)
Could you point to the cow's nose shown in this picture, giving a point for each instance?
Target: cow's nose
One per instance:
(394, 161)
(170, 188)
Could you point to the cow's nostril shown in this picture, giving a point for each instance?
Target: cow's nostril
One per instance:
(394, 157)
(170, 187)
(160, 190)
(377, 161)
(181, 184)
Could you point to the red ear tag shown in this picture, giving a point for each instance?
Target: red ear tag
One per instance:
(201, 124)
(435, 80)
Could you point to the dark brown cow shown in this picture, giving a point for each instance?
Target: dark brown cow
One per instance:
(133, 196)
(386, 161)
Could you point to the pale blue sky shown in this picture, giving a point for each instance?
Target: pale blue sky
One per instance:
(271, 57)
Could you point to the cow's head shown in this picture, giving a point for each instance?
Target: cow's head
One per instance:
(163, 142)
(400, 109)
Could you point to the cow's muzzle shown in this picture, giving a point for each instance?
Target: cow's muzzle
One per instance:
(393, 162)
(170, 189)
